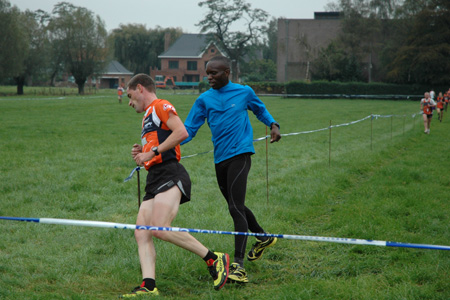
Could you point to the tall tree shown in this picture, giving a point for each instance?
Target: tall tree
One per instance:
(423, 58)
(410, 8)
(259, 70)
(333, 63)
(365, 28)
(137, 47)
(13, 41)
(218, 22)
(270, 41)
(83, 39)
(260, 61)
(36, 54)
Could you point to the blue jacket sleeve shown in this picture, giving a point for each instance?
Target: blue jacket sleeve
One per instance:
(258, 108)
(195, 120)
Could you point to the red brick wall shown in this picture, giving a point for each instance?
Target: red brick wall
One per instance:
(182, 72)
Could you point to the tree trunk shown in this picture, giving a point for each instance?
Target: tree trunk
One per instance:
(234, 71)
(81, 88)
(80, 81)
(52, 78)
(20, 81)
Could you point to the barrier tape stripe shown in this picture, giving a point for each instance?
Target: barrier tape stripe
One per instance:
(288, 134)
(207, 231)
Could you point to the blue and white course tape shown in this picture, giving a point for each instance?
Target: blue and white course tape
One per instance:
(178, 229)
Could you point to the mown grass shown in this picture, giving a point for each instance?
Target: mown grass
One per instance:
(67, 158)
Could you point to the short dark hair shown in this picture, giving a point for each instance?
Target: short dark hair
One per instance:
(225, 60)
(143, 79)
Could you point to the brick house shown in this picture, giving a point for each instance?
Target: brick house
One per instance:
(114, 75)
(185, 61)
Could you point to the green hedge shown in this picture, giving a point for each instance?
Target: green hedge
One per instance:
(356, 88)
(341, 88)
(267, 87)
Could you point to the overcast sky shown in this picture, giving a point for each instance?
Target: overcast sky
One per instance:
(172, 13)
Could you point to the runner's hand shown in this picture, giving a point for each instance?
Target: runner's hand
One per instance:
(136, 150)
(141, 158)
(275, 134)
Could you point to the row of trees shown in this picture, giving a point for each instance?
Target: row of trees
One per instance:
(38, 47)
(137, 48)
(396, 41)
(409, 39)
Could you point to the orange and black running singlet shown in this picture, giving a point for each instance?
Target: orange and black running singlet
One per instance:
(427, 108)
(155, 131)
(440, 102)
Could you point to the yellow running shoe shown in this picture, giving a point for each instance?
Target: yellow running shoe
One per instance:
(140, 291)
(219, 270)
(258, 248)
(237, 274)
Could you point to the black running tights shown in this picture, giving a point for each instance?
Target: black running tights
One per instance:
(232, 179)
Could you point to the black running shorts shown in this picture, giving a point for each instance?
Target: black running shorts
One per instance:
(164, 176)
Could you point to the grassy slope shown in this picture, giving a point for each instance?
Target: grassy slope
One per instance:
(67, 159)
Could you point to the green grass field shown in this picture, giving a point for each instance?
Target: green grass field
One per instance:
(67, 157)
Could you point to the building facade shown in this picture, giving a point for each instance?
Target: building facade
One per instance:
(185, 61)
(115, 74)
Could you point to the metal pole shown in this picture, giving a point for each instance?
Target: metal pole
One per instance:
(139, 189)
(329, 148)
(371, 131)
(267, 166)
(391, 127)
(404, 120)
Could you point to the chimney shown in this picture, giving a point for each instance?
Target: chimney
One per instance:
(166, 41)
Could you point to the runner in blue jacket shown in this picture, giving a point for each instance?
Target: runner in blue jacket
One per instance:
(225, 108)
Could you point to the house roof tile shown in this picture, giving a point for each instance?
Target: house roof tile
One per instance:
(115, 67)
(187, 46)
